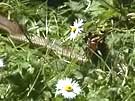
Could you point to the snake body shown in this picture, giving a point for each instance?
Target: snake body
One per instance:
(16, 33)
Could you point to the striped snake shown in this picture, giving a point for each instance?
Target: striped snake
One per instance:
(16, 33)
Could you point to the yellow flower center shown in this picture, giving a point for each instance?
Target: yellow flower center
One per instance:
(73, 28)
(68, 88)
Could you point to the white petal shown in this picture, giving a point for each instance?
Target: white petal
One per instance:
(72, 35)
(78, 23)
(69, 95)
(1, 63)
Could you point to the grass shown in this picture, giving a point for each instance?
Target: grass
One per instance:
(31, 73)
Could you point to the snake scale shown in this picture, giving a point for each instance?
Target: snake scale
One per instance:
(17, 34)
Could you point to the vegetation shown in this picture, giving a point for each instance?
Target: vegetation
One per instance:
(31, 73)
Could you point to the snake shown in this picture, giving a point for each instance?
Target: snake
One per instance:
(17, 34)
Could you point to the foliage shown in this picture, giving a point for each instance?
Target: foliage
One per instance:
(31, 74)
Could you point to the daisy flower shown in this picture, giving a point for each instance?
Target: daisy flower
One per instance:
(1, 63)
(76, 29)
(68, 88)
